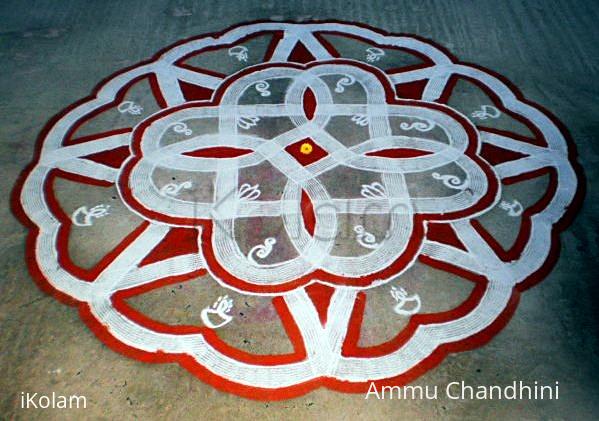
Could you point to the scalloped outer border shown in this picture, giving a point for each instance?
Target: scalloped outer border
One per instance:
(225, 385)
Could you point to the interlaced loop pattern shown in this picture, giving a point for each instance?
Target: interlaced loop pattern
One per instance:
(313, 250)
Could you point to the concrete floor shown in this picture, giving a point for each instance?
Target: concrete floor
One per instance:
(52, 53)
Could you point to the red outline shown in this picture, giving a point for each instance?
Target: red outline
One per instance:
(284, 393)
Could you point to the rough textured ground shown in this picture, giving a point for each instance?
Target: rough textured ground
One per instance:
(52, 53)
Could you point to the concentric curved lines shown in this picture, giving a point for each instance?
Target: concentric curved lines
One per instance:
(313, 252)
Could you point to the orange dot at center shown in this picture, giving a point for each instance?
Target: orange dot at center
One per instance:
(306, 148)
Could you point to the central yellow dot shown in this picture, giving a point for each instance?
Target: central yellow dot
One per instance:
(306, 148)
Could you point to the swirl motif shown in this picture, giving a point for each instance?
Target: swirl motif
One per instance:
(451, 181)
(262, 250)
(263, 88)
(365, 238)
(181, 127)
(421, 126)
(82, 217)
(173, 189)
(343, 82)
(129, 107)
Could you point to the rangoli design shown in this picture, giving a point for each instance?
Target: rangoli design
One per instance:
(311, 178)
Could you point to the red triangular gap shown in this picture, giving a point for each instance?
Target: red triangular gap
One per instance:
(444, 233)
(300, 54)
(495, 155)
(411, 90)
(272, 45)
(176, 242)
(193, 92)
(113, 158)
(321, 297)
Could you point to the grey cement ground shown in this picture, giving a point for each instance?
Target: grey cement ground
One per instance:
(53, 52)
